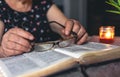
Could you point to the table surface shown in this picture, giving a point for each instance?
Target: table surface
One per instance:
(104, 69)
(96, 39)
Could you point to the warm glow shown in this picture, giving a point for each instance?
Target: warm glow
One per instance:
(106, 33)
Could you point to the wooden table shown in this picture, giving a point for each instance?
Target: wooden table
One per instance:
(103, 69)
(96, 39)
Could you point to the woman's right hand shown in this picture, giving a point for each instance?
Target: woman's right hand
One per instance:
(15, 41)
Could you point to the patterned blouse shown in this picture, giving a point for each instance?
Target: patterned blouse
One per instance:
(33, 21)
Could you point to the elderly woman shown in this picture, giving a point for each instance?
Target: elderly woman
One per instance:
(23, 21)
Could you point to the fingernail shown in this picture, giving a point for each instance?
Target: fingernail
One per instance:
(28, 50)
(67, 32)
(31, 37)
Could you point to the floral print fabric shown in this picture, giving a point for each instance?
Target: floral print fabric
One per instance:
(33, 21)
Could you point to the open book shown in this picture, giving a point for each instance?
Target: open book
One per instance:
(40, 64)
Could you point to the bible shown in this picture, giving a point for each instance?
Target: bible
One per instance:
(41, 64)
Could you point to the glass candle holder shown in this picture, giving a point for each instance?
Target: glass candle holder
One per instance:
(106, 34)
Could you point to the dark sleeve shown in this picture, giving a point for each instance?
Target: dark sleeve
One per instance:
(46, 4)
(1, 10)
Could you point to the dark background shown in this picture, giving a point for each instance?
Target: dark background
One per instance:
(97, 16)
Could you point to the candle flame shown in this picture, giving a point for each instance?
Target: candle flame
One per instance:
(108, 35)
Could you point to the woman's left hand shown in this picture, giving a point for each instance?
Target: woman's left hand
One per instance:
(75, 26)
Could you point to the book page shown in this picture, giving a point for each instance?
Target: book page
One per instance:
(30, 62)
(78, 50)
(46, 58)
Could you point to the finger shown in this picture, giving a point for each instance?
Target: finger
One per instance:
(17, 47)
(81, 32)
(82, 39)
(19, 40)
(12, 52)
(68, 27)
(8, 52)
(22, 33)
(76, 27)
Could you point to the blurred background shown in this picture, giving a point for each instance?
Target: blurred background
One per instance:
(91, 13)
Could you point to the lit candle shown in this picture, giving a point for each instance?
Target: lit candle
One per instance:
(106, 34)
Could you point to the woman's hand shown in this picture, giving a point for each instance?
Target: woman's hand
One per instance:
(15, 41)
(75, 26)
